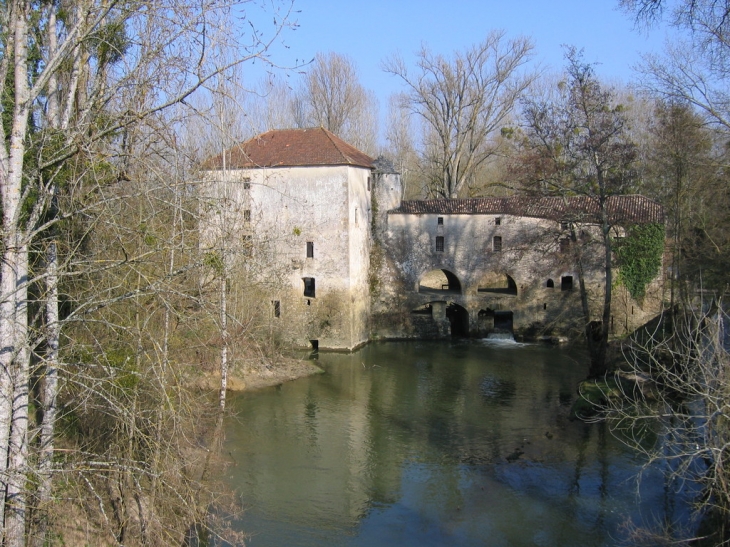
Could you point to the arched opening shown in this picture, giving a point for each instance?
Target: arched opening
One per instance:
(459, 319)
(550, 284)
(498, 283)
(439, 281)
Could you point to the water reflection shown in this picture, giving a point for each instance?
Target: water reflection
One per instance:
(462, 444)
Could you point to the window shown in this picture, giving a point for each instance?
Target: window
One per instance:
(356, 219)
(440, 244)
(566, 283)
(564, 226)
(309, 287)
(440, 221)
(246, 185)
(498, 221)
(497, 244)
(368, 184)
(247, 215)
(277, 308)
(550, 284)
(564, 244)
(310, 249)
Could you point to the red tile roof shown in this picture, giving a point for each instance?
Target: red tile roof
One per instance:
(291, 148)
(631, 209)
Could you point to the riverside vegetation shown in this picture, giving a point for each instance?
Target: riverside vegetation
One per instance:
(111, 310)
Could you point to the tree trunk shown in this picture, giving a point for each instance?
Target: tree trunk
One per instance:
(49, 394)
(14, 351)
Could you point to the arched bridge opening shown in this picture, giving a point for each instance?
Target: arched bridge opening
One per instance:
(497, 283)
(439, 282)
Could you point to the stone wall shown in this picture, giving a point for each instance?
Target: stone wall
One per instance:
(494, 266)
(303, 235)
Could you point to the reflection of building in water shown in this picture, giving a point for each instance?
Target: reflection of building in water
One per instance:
(340, 259)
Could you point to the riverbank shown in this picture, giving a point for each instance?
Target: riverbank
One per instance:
(253, 376)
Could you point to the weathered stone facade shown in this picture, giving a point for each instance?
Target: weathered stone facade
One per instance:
(483, 272)
(346, 261)
(305, 217)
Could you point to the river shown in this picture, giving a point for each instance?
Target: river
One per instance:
(463, 443)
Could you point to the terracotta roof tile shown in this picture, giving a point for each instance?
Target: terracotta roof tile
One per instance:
(630, 209)
(291, 148)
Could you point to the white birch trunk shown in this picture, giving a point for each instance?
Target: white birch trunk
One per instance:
(49, 394)
(14, 353)
(224, 340)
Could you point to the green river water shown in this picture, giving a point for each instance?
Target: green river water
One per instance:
(463, 443)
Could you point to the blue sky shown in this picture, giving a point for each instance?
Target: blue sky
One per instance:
(372, 30)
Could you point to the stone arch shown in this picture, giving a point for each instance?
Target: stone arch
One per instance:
(550, 284)
(439, 281)
(497, 282)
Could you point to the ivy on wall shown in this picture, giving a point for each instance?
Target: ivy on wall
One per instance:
(639, 256)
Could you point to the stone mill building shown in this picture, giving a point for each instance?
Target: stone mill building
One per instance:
(341, 259)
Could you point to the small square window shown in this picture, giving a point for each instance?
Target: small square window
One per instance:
(440, 221)
(246, 185)
(440, 244)
(497, 244)
(310, 249)
(498, 221)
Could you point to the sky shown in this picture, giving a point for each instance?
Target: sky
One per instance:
(372, 30)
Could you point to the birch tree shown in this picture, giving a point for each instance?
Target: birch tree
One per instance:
(75, 77)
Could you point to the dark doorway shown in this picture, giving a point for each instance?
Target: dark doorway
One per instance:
(566, 283)
(459, 319)
(503, 321)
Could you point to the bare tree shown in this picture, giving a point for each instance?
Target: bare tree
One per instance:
(695, 71)
(401, 146)
(75, 78)
(576, 143)
(333, 97)
(670, 401)
(463, 101)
